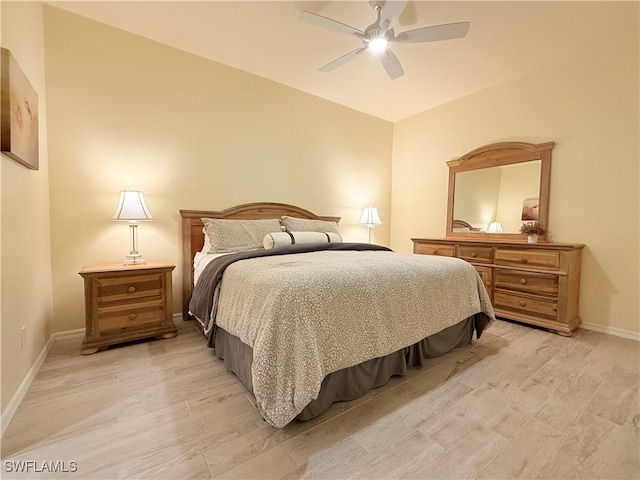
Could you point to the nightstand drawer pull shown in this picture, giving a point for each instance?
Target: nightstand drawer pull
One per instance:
(473, 254)
(523, 303)
(523, 260)
(131, 289)
(523, 281)
(133, 316)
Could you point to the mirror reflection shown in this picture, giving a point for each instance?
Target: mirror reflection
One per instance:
(497, 199)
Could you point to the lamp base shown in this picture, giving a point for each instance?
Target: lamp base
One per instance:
(134, 259)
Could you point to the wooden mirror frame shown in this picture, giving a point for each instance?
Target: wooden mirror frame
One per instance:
(495, 155)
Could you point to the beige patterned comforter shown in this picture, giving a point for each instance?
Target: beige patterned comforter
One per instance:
(310, 314)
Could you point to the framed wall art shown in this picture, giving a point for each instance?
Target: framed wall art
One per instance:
(530, 208)
(18, 113)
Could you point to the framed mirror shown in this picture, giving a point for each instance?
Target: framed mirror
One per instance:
(495, 188)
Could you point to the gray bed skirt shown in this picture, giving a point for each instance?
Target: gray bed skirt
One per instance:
(353, 382)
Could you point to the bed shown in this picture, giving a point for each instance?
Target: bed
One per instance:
(309, 323)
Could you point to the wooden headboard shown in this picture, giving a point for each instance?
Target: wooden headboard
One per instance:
(193, 237)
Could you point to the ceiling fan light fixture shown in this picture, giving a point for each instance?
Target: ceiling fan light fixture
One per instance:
(378, 45)
(380, 34)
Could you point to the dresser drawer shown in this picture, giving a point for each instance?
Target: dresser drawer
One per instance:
(523, 281)
(126, 289)
(130, 316)
(522, 303)
(541, 259)
(435, 249)
(475, 254)
(486, 275)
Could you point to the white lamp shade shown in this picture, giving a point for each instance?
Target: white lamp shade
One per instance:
(370, 217)
(495, 227)
(131, 207)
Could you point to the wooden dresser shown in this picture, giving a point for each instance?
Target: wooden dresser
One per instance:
(126, 302)
(534, 283)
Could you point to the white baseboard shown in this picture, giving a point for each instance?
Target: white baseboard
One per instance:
(618, 332)
(67, 335)
(10, 411)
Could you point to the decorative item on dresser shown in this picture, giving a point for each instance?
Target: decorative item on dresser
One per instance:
(126, 302)
(532, 230)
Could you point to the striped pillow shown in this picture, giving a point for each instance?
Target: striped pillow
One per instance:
(278, 239)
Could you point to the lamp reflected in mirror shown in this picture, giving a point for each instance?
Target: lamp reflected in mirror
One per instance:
(494, 227)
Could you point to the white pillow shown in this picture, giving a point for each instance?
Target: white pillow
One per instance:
(294, 224)
(201, 260)
(226, 236)
(207, 243)
(278, 239)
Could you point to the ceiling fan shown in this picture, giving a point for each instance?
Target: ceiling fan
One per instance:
(380, 34)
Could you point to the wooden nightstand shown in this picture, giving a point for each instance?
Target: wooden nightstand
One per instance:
(126, 302)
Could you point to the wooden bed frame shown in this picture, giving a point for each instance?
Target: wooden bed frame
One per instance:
(341, 385)
(193, 236)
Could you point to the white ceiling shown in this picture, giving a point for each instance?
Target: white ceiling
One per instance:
(506, 40)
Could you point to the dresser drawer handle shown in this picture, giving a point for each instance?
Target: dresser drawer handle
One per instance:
(473, 254)
(131, 289)
(523, 303)
(435, 252)
(523, 281)
(523, 260)
(132, 316)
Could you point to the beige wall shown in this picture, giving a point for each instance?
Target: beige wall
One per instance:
(190, 133)
(25, 240)
(588, 104)
(517, 183)
(477, 197)
(125, 112)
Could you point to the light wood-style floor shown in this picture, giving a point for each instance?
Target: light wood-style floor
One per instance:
(518, 403)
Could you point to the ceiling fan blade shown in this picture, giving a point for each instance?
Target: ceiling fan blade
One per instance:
(390, 12)
(435, 33)
(343, 59)
(324, 22)
(392, 65)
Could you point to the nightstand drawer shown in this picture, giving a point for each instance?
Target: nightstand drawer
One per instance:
(535, 306)
(475, 254)
(435, 249)
(542, 259)
(125, 316)
(133, 288)
(524, 281)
